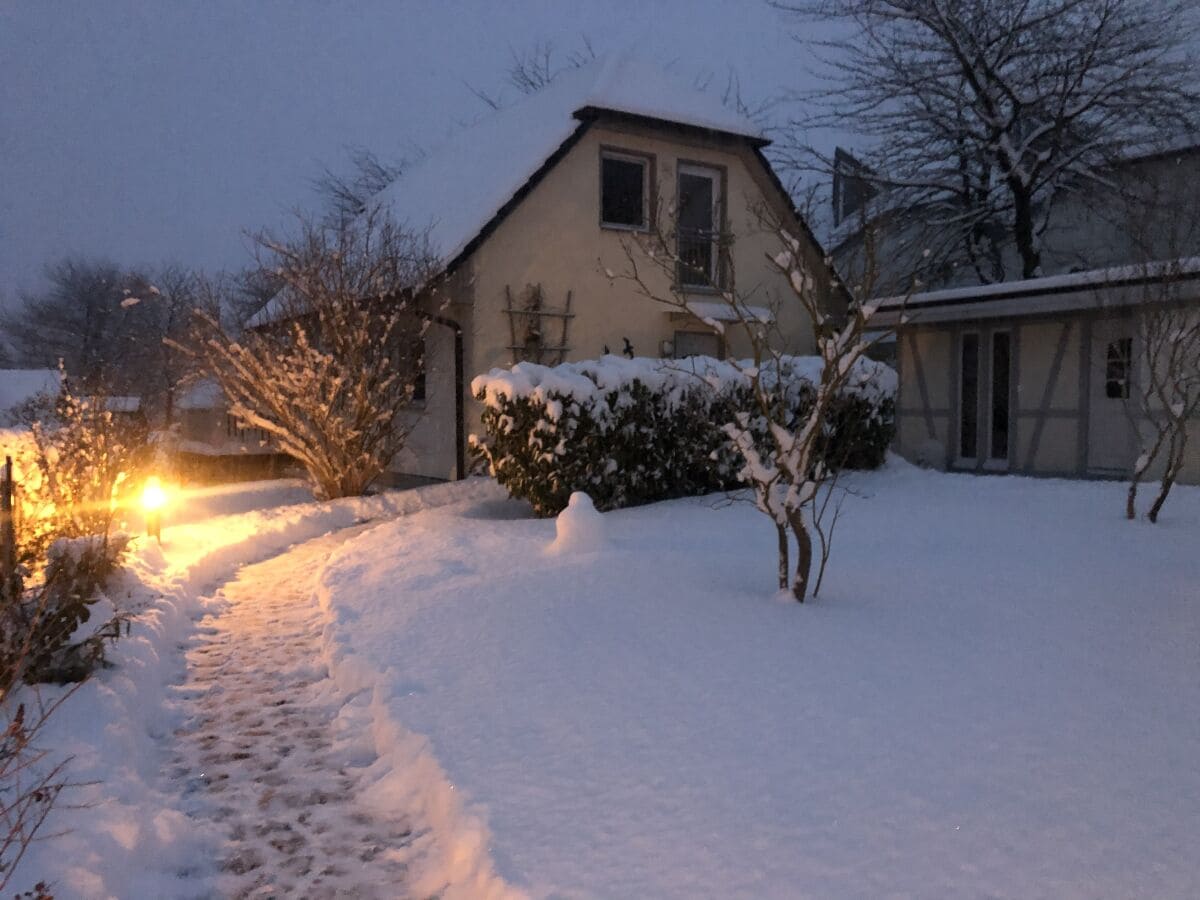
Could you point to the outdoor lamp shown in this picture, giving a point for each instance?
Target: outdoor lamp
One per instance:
(154, 498)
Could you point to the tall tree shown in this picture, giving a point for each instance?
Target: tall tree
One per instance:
(981, 113)
(107, 326)
(84, 318)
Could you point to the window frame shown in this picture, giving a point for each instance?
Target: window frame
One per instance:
(720, 176)
(647, 162)
(993, 461)
(697, 332)
(962, 461)
(1124, 358)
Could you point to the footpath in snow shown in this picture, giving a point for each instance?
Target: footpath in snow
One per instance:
(125, 831)
(259, 758)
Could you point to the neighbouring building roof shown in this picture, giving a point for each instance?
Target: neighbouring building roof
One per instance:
(123, 403)
(202, 394)
(1108, 287)
(18, 386)
(461, 187)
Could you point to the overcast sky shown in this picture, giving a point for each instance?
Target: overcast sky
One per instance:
(158, 130)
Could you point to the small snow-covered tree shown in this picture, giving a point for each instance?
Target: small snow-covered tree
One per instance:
(980, 115)
(1162, 382)
(82, 464)
(790, 476)
(329, 375)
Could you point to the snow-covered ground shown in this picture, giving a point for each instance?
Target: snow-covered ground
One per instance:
(995, 695)
(122, 832)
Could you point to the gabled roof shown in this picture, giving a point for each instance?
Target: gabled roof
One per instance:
(459, 190)
(205, 393)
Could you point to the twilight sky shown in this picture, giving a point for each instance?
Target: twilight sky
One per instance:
(150, 131)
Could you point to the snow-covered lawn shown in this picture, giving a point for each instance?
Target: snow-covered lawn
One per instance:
(995, 695)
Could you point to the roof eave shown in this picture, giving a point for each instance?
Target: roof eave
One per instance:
(591, 113)
(502, 213)
(1025, 300)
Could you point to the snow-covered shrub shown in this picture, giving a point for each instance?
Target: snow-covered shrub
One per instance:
(635, 431)
(73, 468)
(336, 357)
(45, 635)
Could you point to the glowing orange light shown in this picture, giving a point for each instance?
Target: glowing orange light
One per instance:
(154, 496)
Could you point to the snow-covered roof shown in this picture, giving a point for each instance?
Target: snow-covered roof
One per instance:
(18, 386)
(126, 403)
(457, 189)
(1109, 286)
(203, 394)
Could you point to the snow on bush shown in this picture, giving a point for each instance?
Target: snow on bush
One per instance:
(632, 431)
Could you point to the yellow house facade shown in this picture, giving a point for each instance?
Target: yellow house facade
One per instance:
(538, 210)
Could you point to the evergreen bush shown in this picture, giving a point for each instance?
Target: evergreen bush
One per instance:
(629, 432)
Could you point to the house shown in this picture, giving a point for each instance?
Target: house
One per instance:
(1036, 375)
(531, 211)
(211, 445)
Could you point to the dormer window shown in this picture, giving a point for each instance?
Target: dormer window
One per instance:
(624, 190)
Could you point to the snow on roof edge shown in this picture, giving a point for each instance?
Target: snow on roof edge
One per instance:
(1069, 281)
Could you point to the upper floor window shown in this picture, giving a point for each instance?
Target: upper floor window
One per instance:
(624, 190)
(699, 226)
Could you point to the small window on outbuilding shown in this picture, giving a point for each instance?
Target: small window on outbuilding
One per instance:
(697, 343)
(1117, 368)
(624, 190)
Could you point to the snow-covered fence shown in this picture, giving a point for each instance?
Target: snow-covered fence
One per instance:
(631, 431)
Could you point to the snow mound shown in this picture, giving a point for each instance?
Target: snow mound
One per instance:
(579, 528)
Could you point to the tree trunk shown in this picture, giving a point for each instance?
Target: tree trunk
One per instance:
(803, 556)
(1175, 456)
(783, 556)
(1023, 230)
(1131, 497)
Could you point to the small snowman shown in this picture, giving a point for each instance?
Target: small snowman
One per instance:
(579, 528)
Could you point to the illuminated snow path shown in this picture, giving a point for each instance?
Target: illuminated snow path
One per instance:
(260, 755)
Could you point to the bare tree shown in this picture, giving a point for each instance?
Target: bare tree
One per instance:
(31, 780)
(328, 378)
(160, 306)
(789, 475)
(107, 324)
(347, 195)
(82, 318)
(533, 68)
(1161, 381)
(983, 113)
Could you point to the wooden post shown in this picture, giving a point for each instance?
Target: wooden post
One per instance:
(8, 537)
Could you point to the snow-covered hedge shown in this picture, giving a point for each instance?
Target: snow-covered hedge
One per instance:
(631, 431)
